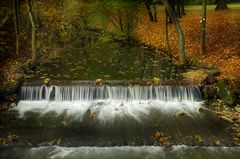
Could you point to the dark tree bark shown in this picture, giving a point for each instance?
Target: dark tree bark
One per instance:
(155, 10)
(178, 8)
(221, 4)
(35, 55)
(172, 5)
(182, 7)
(147, 4)
(203, 28)
(167, 37)
(17, 24)
(181, 38)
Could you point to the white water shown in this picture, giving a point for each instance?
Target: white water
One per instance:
(108, 102)
(126, 152)
(90, 93)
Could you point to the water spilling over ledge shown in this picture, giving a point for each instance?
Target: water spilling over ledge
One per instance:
(153, 152)
(116, 115)
(108, 102)
(90, 93)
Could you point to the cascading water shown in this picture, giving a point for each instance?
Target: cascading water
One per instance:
(109, 102)
(90, 93)
(115, 119)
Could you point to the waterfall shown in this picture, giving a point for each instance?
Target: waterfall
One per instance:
(109, 102)
(126, 93)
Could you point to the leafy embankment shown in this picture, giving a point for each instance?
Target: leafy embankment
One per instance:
(222, 39)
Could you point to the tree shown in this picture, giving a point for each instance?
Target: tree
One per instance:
(182, 7)
(221, 4)
(152, 13)
(167, 37)
(35, 55)
(181, 39)
(203, 28)
(17, 23)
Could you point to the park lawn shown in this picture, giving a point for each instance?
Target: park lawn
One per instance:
(222, 37)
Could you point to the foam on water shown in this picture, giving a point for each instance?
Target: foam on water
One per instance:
(109, 102)
(125, 152)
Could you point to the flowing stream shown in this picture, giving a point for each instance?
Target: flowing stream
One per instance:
(135, 121)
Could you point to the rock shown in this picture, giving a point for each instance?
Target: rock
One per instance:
(211, 79)
(212, 76)
(213, 72)
(209, 92)
(224, 93)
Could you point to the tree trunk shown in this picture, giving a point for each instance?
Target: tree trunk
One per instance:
(203, 28)
(179, 8)
(167, 37)
(155, 10)
(149, 11)
(34, 49)
(182, 7)
(221, 4)
(181, 39)
(172, 5)
(17, 24)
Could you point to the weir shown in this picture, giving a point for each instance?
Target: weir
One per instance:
(116, 115)
(90, 93)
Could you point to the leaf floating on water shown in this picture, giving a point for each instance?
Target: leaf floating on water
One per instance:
(106, 76)
(67, 76)
(181, 113)
(99, 81)
(46, 80)
(156, 81)
(120, 72)
(136, 62)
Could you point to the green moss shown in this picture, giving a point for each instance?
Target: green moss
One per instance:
(225, 93)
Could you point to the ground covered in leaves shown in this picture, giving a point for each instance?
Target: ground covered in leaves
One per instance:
(222, 38)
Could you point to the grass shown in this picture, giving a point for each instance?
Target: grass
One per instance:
(211, 7)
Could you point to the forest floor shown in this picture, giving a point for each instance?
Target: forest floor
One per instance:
(222, 37)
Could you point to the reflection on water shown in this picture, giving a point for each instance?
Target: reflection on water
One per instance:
(110, 60)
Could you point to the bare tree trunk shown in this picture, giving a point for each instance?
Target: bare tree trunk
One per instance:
(172, 5)
(155, 10)
(34, 49)
(149, 11)
(182, 7)
(179, 8)
(203, 28)
(167, 37)
(181, 39)
(17, 24)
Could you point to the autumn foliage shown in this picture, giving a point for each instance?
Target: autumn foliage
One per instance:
(222, 38)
